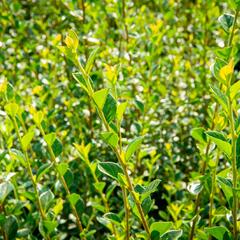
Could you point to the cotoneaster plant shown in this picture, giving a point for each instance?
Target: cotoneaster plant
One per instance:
(110, 111)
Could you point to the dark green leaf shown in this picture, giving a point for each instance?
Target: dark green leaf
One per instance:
(111, 169)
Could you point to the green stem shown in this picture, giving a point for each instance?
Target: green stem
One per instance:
(213, 190)
(30, 173)
(62, 180)
(234, 169)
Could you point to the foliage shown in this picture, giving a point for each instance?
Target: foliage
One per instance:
(119, 119)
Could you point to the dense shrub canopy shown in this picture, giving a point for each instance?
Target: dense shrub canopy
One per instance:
(112, 125)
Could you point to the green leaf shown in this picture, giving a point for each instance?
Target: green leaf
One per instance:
(79, 78)
(69, 53)
(73, 198)
(62, 168)
(26, 140)
(120, 110)
(74, 39)
(50, 138)
(58, 207)
(132, 147)
(23, 233)
(111, 138)
(42, 170)
(139, 105)
(151, 188)
(195, 187)
(234, 89)
(49, 226)
(224, 53)
(114, 218)
(199, 135)
(57, 147)
(16, 154)
(215, 69)
(218, 232)
(226, 21)
(160, 227)
(90, 61)
(226, 185)
(111, 169)
(12, 109)
(220, 140)
(100, 97)
(38, 117)
(46, 199)
(5, 189)
(110, 108)
(10, 227)
(68, 176)
(172, 235)
(99, 186)
(220, 97)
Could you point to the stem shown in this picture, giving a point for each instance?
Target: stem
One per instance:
(62, 180)
(129, 181)
(30, 174)
(234, 169)
(127, 212)
(213, 190)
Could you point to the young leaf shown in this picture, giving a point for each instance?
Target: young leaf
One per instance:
(72, 40)
(49, 225)
(110, 168)
(199, 135)
(234, 89)
(73, 198)
(227, 70)
(120, 111)
(215, 69)
(218, 232)
(26, 140)
(58, 207)
(111, 138)
(221, 98)
(62, 168)
(90, 60)
(132, 147)
(38, 117)
(12, 109)
(100, 97)
(79, 78)
(219, 139)
(50, 138)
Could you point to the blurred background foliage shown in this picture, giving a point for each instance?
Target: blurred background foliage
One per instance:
(160, 49)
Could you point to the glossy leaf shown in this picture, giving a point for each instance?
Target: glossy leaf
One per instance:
(111, 169)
